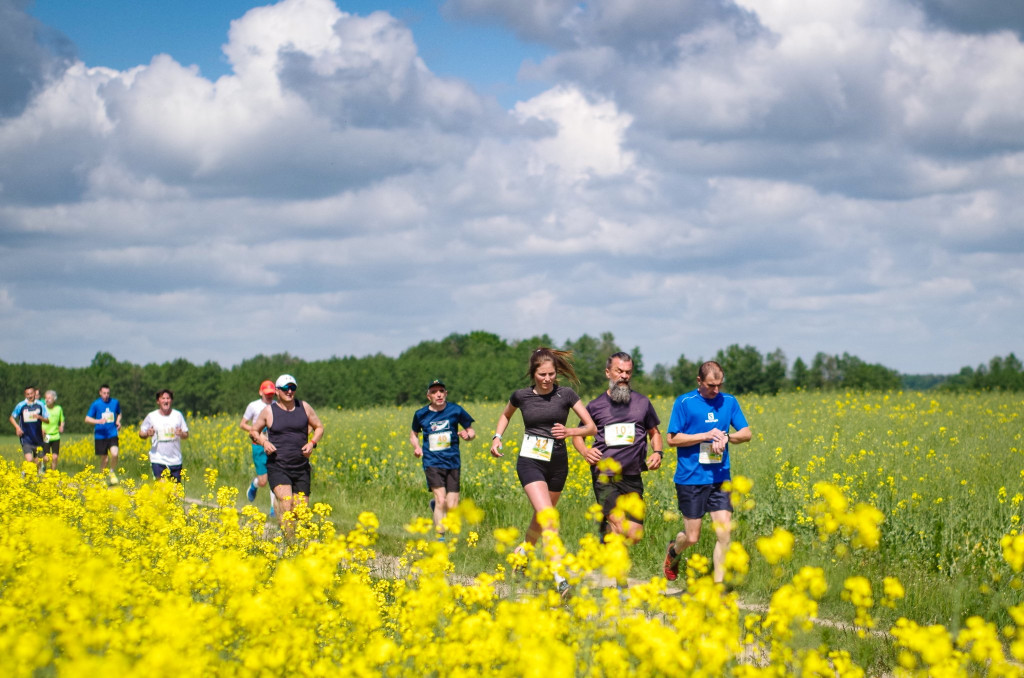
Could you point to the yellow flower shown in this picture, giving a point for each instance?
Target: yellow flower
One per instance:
(1013, 551)
(892, 590)
(777, 547)
(505, 538)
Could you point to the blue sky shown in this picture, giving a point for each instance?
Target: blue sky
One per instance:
(217, 180)
(122, 34)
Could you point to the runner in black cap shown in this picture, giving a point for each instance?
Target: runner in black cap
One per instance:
(439, 422)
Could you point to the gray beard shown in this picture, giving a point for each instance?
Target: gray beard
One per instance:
(619, 393)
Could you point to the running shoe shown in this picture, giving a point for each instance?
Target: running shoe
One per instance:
(272, 511)
(564, 589)
(251, 493)
(671, 566)
(113, 479)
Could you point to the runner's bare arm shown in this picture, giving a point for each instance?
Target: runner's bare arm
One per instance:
(741, 436)
(586, 428)
(316, 425)
(264, 420)
(499, 430)
(657, 449)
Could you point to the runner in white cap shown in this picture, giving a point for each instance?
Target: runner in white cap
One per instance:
(289, 445)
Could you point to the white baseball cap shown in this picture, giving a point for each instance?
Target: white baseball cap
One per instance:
(285, 380)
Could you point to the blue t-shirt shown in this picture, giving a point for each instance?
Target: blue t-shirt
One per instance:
(691, 414)
(27, 417)
(440, 434)
(107, 411)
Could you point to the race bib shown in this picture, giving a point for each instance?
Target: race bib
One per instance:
(31, 416)
(108, 417)
(617, 435)
(165, 435)
(440, 441)
(709, 456)
(536, 447)
(46, 437)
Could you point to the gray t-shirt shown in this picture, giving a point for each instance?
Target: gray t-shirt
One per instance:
(639, 412)
(541, 412)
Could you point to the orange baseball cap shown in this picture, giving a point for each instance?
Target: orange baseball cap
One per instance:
(267, 387)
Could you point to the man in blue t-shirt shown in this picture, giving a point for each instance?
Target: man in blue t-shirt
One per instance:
(28, 418)
(439, 423)
(105, 415)
(699, 430)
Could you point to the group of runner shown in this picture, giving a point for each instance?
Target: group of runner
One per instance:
(39, 426)
(622, 422)
(626, 442)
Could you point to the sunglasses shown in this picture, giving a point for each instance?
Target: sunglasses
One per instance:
(289, 387)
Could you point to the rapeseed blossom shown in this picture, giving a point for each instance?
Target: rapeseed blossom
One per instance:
(136, 561)
(777, 547)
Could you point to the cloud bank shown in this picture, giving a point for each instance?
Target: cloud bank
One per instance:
(816, 177)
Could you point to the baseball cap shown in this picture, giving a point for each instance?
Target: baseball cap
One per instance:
(267, 387)
(436, 382)
(285, 380)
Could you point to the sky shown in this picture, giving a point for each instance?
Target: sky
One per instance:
(214, 181)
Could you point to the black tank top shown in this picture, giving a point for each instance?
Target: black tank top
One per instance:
(289, 432)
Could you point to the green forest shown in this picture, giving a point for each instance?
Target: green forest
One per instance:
(478, 366)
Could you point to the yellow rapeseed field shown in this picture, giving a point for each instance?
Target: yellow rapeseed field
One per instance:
(861, 499)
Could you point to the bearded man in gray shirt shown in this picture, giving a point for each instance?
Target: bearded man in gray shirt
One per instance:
(625, 421)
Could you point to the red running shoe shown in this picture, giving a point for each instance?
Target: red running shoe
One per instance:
(671, 567)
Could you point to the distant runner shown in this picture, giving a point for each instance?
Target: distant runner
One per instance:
(166, 428)
(625, 420)
(699, 429)
(105, 414)
(28, 418)
(259, 455)
(52, 429)
(439, 423)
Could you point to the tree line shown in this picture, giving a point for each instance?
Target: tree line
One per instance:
(478, 366)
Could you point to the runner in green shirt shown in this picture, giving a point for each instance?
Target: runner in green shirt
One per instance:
(52, 429)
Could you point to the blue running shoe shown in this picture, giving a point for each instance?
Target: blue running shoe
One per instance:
(251, 493)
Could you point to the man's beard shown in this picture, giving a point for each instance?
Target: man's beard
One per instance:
(619, 392)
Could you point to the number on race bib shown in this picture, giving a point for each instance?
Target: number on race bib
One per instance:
(537, 447)
(708, 455)
(617, 435)
(440, 441)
